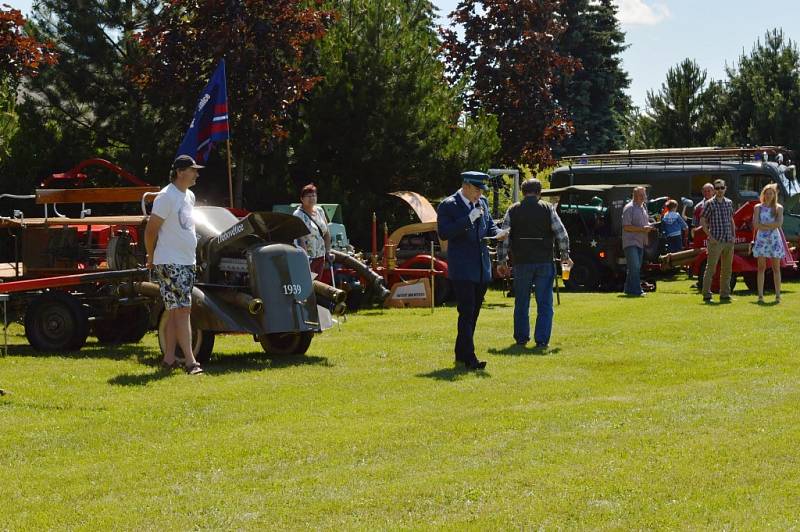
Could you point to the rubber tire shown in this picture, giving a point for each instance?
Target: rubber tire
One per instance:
(752, 283)
(118, 253)
(584, 276)
(355, 297)
(291, 343)
(56, 321)
(202, 341)
(128, 326)
(702, 273)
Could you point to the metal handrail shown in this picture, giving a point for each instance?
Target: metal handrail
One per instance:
(678, 156)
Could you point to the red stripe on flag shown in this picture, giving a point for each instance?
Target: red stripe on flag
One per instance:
(219, 127)
(221, 108)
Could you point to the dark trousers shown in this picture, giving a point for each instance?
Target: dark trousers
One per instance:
(469, 297)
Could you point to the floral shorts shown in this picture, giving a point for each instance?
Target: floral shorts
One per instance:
(176, 282)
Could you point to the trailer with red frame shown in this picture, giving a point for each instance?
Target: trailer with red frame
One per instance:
(65, 270)
(405, 255)
(413, 251)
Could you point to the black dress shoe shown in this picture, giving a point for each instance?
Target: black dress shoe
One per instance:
(475, 364)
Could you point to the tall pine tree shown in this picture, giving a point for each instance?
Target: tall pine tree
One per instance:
(764, 93)
(88, 98)
(383, 117)
(594, 96)
(676, 116)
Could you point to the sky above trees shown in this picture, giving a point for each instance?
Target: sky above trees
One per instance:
(662, 33)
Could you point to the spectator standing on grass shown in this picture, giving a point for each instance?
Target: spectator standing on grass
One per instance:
(317, 243)
(673, 226)
(534, 227)
(464, 221)
(171, 244)
(635, 229)
(708, 193)
(769, 242)
(717, 222)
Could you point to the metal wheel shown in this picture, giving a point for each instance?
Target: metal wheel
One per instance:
(120, 252)
(290, 343)
(752, 282)
(202, 341)
(584, 275)
(56, 321)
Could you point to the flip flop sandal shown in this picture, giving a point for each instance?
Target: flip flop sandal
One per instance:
(168, 367)
(194, 369)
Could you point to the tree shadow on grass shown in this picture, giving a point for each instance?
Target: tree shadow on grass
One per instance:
(519, 350)
(92, 350)
(237, 363)
(257, 361)
(453, 374)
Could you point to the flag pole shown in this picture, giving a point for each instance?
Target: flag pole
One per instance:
(230, 173)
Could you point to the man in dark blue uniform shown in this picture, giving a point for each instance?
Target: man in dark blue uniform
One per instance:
(464, 221)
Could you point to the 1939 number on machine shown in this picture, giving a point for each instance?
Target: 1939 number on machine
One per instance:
(292, 289)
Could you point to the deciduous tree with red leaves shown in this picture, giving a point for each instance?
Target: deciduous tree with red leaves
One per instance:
(20, 53)
(508, 54)
(264, 45)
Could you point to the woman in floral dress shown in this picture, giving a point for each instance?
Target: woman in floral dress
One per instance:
(769, 241)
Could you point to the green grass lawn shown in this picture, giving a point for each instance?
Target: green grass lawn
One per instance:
(656, 412)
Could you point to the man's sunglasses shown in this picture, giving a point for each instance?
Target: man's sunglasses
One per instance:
(719, 188)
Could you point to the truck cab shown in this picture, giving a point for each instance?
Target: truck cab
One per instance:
(592, 216)
(681, 172)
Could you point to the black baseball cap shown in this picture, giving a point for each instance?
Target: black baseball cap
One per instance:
(182, 162)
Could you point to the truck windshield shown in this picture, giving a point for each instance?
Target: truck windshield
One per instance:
(788, 181)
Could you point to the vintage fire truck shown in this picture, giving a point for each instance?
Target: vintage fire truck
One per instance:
(72, 275)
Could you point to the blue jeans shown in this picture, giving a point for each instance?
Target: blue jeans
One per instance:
(633, 282)
(541, 274)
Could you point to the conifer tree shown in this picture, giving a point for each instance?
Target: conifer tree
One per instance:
(383, 117)
(593, 97)
(764, 93)
(676, 116)
(88, 96)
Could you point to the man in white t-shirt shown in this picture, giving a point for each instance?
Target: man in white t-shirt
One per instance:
(171, 245)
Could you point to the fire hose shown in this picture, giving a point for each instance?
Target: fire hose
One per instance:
(374, 281)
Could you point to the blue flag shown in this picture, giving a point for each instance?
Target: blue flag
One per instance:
(210, 122)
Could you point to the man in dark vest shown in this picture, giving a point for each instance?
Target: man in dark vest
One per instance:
(534, 226)
(464, 221)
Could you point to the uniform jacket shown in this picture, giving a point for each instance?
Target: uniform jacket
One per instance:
(467, 254)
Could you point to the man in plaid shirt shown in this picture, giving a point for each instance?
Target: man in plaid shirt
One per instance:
(717, 222)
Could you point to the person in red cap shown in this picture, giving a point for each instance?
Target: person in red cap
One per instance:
(317, 243)
(171, 246)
